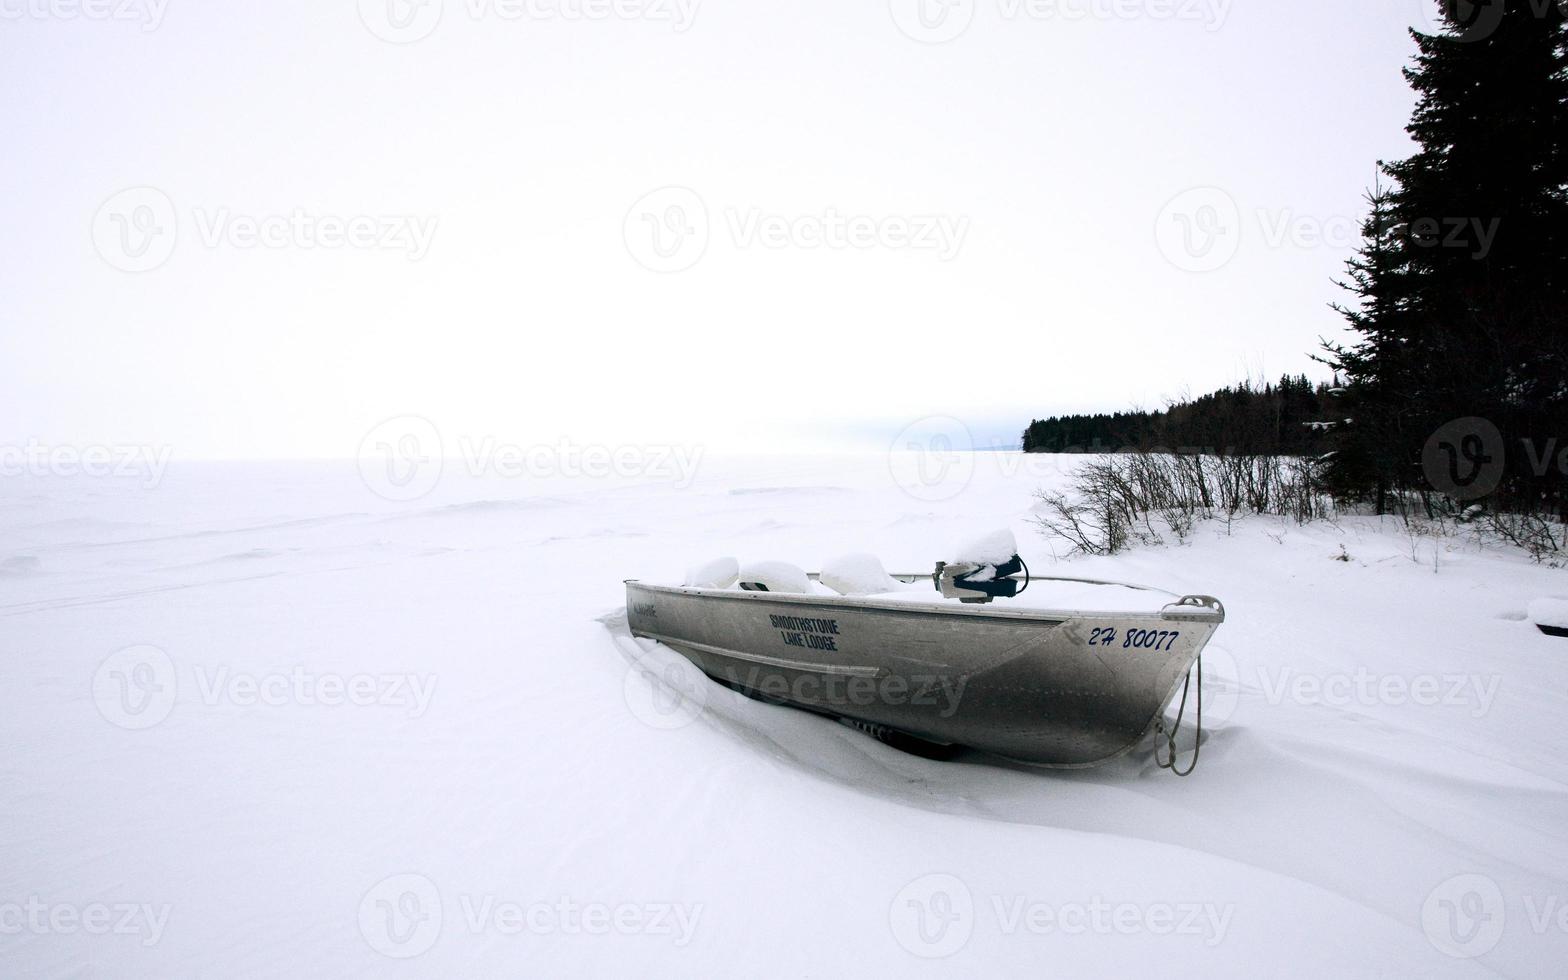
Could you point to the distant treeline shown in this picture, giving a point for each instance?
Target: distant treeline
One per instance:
(1283, 419)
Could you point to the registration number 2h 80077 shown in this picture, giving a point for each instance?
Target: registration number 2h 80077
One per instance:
(1134, 639)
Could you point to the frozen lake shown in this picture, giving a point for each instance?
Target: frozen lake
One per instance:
(260, 719)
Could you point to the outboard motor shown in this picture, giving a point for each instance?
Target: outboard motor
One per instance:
(980, 582)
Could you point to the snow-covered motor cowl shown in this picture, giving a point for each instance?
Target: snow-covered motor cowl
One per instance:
(984, 571)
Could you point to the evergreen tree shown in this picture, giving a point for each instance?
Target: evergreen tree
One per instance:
(1462, 278)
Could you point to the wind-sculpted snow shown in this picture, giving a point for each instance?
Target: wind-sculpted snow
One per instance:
(275, 724)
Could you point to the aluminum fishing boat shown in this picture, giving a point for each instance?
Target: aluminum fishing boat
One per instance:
(921, 667)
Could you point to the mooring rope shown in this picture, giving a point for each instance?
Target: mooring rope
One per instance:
(1170, 735)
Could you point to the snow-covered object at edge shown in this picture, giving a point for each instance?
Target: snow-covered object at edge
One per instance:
(857, 574)
(720, 573)
(776, 576)
(1549, 611)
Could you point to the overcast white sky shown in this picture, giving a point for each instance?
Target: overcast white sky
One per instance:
(708, 221)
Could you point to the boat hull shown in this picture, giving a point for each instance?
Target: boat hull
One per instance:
(1052, 688)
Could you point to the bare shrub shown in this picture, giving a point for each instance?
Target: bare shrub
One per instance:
(1545, 539)
(1114, 501)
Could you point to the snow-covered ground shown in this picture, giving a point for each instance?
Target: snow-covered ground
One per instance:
(260, 720)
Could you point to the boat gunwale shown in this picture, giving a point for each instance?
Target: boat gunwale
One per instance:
(1053, 617)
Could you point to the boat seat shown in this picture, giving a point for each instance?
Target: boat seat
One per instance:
(775, 576)
(721, 573)
(857, 575)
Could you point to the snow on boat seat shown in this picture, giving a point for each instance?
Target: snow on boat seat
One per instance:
(858, 574)
(720, 573)
(775, 576)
